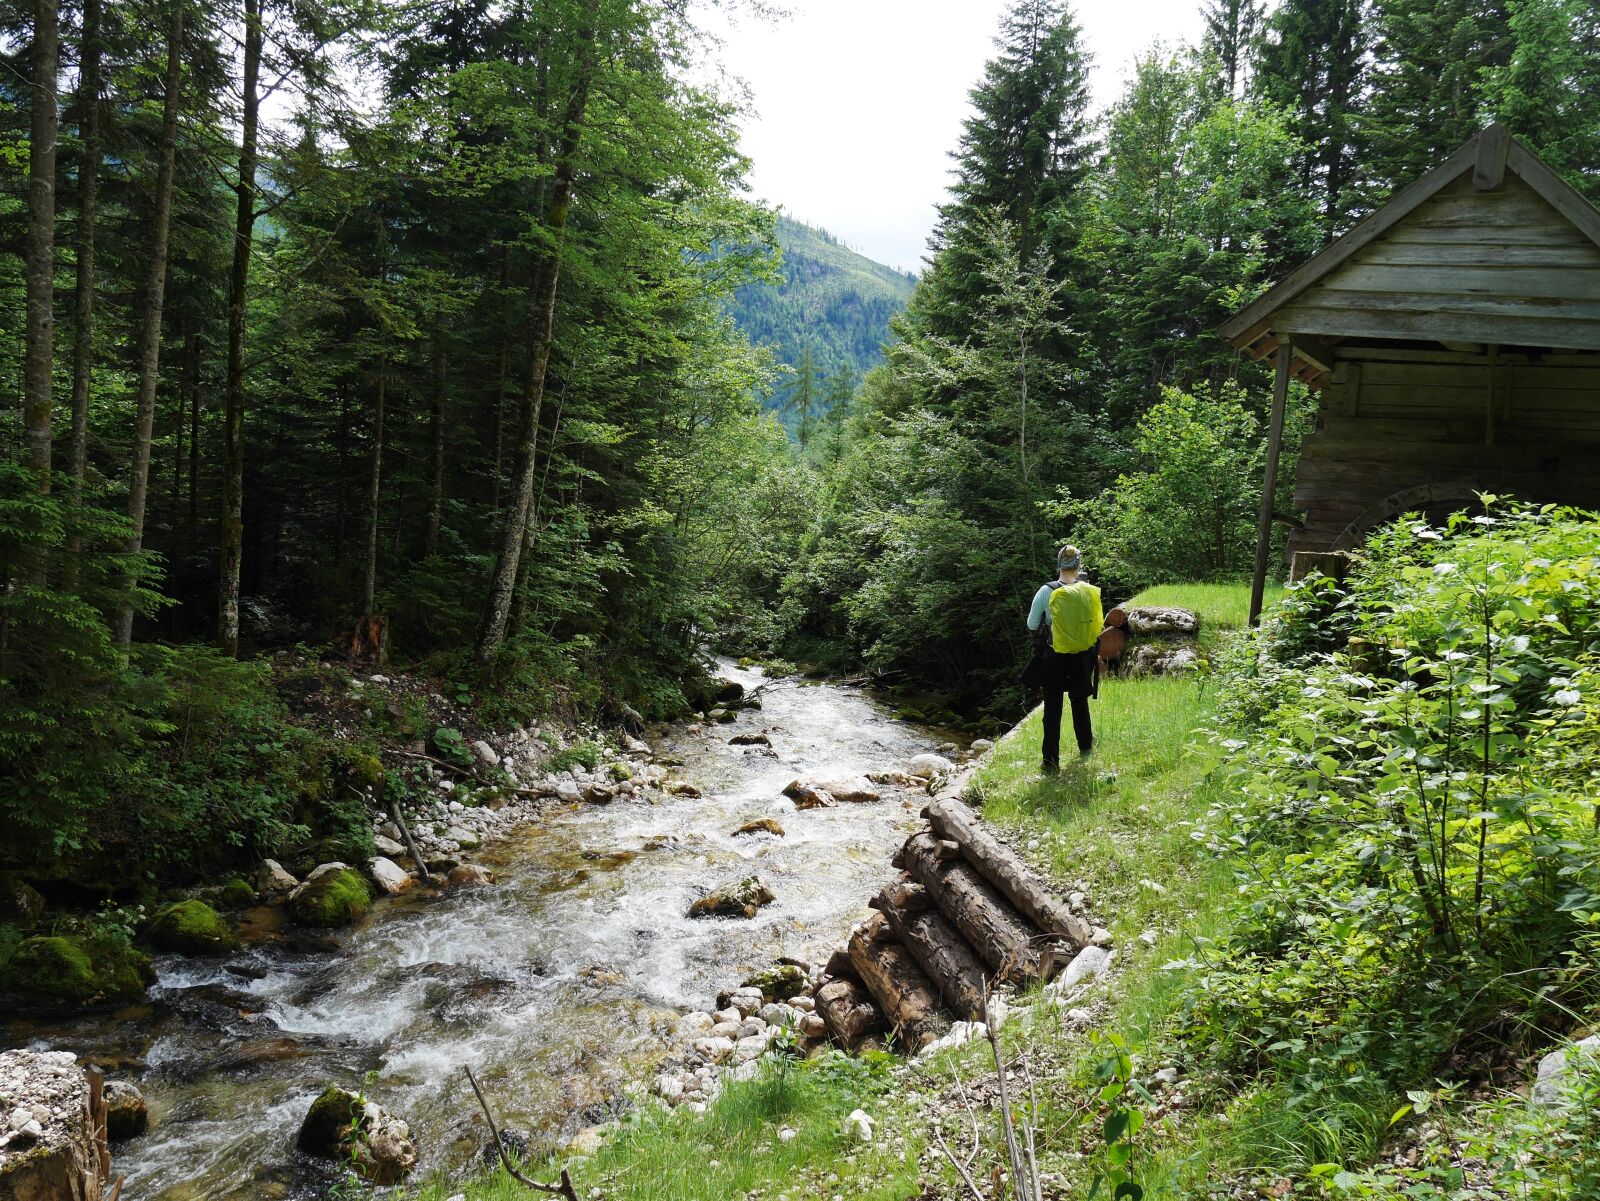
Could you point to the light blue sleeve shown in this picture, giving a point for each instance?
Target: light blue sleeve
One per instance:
(1040, 613)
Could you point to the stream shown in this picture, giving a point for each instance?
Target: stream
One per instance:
(559, 985)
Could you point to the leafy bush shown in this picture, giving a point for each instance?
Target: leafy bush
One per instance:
(584, 754)
(1412, 815)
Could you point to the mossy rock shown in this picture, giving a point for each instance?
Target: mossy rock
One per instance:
(68, 971)
(621, 771)
(329, 1122)
(192, 928)
(742, 900)
(337, 898)
(20, 901)
(237, 894)
(779, 982)
(365, 773)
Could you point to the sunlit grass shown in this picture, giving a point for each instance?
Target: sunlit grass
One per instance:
(735, 1149)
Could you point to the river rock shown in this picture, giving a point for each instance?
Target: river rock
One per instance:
(694, 1024)
(1162, 619)
(485, 753)
(751, 1048)
(1090, 962)
(599, 794)
(807, 797)
(812, 1025)
(681, 788)
(343, 1126)
(568, 790)
(271, 878)
(729, 1030)
(48, 1149)
(393, 848)
(762, 825)
(744, 1000)
(127, 1115)
(842, 788)
(469, 875)
(750, 740)
(743, 899)
(713, 1050)
(727, 1013)
(926, 767)
(389, 876)
(778, 982)
(1555, 1070)
(191, 928)
(779, 1014)
(334, 894)
(728, 691)
(462, 837)
(981, 746)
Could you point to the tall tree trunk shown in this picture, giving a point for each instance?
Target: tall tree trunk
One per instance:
(502, 381)
(191, 385)
(89, 53)
(150, 323)
(39, 253)
(369, 585)
(244, 226)
(541, 327)
(436, 455)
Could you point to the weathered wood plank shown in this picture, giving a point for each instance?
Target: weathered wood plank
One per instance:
(1505, 329)
(1568, 254)
(1441, 279)
(1505, 235)
(1585, 309)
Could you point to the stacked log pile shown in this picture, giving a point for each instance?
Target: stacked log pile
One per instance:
(965, 917)
(1149, 640)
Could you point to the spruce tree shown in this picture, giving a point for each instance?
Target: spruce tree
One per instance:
(1231, 28)
(1312, 60)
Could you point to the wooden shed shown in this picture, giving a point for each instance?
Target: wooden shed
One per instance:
(1454, 340)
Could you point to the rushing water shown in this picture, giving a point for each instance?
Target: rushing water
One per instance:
(558, 985)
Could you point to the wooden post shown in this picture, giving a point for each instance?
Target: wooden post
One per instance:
(1269, 485)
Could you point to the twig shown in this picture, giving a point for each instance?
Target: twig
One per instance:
(564, 1189)
(411, 843)
(1019, 1171)
(460, 771)
(957, 1165)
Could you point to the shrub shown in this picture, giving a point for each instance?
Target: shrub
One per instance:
(1412, 820)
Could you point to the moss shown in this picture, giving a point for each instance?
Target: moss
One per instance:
(364, 773)
(779, 982)
(328, 1122)
(337, 899)
(192, 928)
(66, 970)
(621, 771)
(237, 894)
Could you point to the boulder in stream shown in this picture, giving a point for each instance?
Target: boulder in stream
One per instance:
(334, 894)
(762, 825)
(191, 928)
(389, 876)
(75, 971)
(270, 878)
(779, 982)
(743, 899)
(926, 767)
(468, 875)
(840, 788)
(127, 1115)
(346, 1127)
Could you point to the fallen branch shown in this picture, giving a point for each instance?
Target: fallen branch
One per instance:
(564, 1189)
(411, 843)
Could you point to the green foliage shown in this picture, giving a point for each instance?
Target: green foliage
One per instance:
(1411, 815)
(192, 928)
(450, 746)
(585, 754)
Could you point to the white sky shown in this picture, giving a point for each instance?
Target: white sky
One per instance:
(859, 102)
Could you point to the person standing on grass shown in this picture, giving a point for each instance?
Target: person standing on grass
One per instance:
(1071, 608)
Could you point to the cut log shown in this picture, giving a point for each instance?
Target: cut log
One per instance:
(1004, 868)
(907, 997)
(1117, 618)
(1112, 641)
(989, 922)
(848, 1012)
(953, 966)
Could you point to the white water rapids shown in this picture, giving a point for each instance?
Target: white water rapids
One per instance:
(557, 985)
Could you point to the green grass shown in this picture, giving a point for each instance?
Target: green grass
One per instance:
(734, 1149)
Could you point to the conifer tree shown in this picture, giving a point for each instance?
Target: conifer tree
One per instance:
(1231, 28)
(1312, 60)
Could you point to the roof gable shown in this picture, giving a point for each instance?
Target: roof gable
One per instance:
(1490, 212)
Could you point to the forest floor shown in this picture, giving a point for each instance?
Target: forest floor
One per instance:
(1116, 826)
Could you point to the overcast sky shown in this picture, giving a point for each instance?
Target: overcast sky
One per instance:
(858, 102)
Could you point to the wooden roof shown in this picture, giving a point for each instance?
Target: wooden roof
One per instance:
(1489, 247)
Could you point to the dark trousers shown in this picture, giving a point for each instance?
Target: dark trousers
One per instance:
(1074, 680)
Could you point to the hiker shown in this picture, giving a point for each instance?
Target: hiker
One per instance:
(1068, 663)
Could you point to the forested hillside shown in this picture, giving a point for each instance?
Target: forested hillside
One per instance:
(826, 319)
